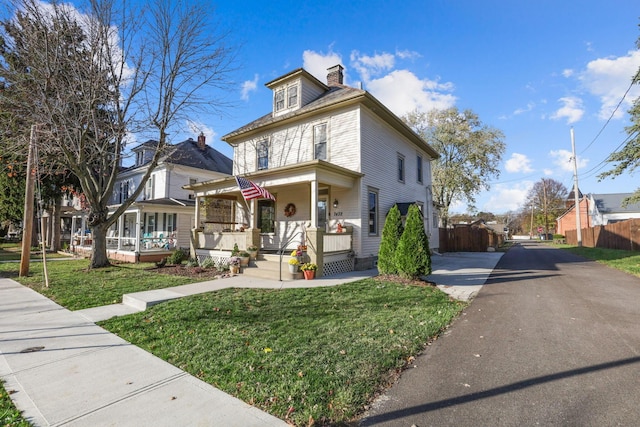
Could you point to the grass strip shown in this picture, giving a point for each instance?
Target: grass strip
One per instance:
(309, 356)
(9, 415)
(75, 287)
(627, 261)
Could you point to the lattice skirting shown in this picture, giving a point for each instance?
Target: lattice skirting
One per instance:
(337, 267)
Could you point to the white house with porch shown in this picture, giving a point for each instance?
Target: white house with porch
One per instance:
(162, 217)
(336, 160)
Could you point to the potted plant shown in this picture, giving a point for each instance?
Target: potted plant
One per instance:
(244, 258)
(253, 251)
(309, 270)
(234, 265)
(293, 265)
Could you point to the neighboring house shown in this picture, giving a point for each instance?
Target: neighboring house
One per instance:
(162, 216)
(598, 209)
(336, 160)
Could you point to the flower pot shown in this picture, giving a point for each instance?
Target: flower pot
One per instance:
(309, 274)
(244, 261)
(253, 254)
(234, 269)
(293, 269)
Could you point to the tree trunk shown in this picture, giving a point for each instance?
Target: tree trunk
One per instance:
(99, 246)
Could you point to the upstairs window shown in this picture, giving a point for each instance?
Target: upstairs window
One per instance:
(124, 191)
(320, 142)
(149, 189)
(419, 168)
(400, 168)
(292, 95)
(263, 155)
(279, 100)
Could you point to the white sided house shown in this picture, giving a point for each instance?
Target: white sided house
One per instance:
(336, 160)
(161, 218)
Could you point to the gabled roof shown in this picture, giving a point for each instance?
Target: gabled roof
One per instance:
(612, 203)
(334, 96)
(187, 153)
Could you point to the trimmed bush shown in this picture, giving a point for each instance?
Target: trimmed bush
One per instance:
(177, 257)
(391, 233)
(412, 256)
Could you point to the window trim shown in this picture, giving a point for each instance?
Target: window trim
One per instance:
(292, 89)
(279, 104)
(316, 143)
(401, 169)
(376, 211)
(262, 161)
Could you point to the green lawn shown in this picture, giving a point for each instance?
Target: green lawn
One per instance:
(12, 252)
(301, 354)
(74, 287)
(9, 415)
(627, 261)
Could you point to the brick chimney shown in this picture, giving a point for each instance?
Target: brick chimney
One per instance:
(202, 141)
(335, 76)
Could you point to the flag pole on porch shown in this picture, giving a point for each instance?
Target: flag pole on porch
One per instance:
(251, 190)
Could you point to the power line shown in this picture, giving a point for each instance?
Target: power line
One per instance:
(610, 117)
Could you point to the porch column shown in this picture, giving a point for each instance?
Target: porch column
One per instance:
(120, 231)
(314, 204)
(315, 248)
(197, 215)
(138, 231)
(253, 233)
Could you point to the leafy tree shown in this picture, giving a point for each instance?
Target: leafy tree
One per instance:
(470, 154)
(547, 197)
(89, 80)
(413, 256)
(628, 158)
(391, 233)
(12, 181)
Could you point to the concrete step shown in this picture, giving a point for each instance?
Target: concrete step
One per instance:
(269, 267)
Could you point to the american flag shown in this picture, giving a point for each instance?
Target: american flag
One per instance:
(251, 190)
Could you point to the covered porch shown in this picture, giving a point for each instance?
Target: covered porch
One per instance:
(148, 231)
(317, 206)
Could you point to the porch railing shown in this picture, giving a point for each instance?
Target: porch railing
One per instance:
(336, 242)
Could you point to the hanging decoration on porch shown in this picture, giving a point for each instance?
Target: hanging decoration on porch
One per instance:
(290, 210)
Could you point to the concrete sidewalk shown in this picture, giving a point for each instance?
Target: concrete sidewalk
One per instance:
(64, 370)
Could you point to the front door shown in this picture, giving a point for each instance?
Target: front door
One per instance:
(322, 214)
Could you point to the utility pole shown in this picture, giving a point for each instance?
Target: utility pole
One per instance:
(27, 219)
(575, 189)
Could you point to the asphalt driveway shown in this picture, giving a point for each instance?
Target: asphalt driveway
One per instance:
(551, 339)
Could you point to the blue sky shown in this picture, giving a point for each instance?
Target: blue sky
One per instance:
(531, 69)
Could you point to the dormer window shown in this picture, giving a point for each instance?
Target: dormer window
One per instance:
(139, 157)
(279, 100)
(292, 95)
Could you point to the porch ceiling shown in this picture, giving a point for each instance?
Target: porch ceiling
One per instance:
(316, 170)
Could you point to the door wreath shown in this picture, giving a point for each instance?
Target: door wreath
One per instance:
(290, 210)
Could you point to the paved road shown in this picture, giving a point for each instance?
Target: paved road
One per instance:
(550, 340)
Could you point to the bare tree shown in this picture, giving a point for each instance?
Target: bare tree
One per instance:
(90, 77)
(547, 197)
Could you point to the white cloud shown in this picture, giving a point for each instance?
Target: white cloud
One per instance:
(609, 78)
(568, 72)
(402, 91)
(547, 172)
(530, 106)
(247, 87)
(368, 66)
(562, 159)
(197, 127)
(407, 54)
(317, 63)
(507, 197)
(518, 163)
(572, 109)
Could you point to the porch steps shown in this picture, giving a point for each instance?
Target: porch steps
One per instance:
(268, 267)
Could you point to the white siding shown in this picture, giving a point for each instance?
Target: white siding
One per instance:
(381, 146)
(289, 145)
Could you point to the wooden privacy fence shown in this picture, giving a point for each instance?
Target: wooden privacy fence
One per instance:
(620, 235)
(469, 239)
